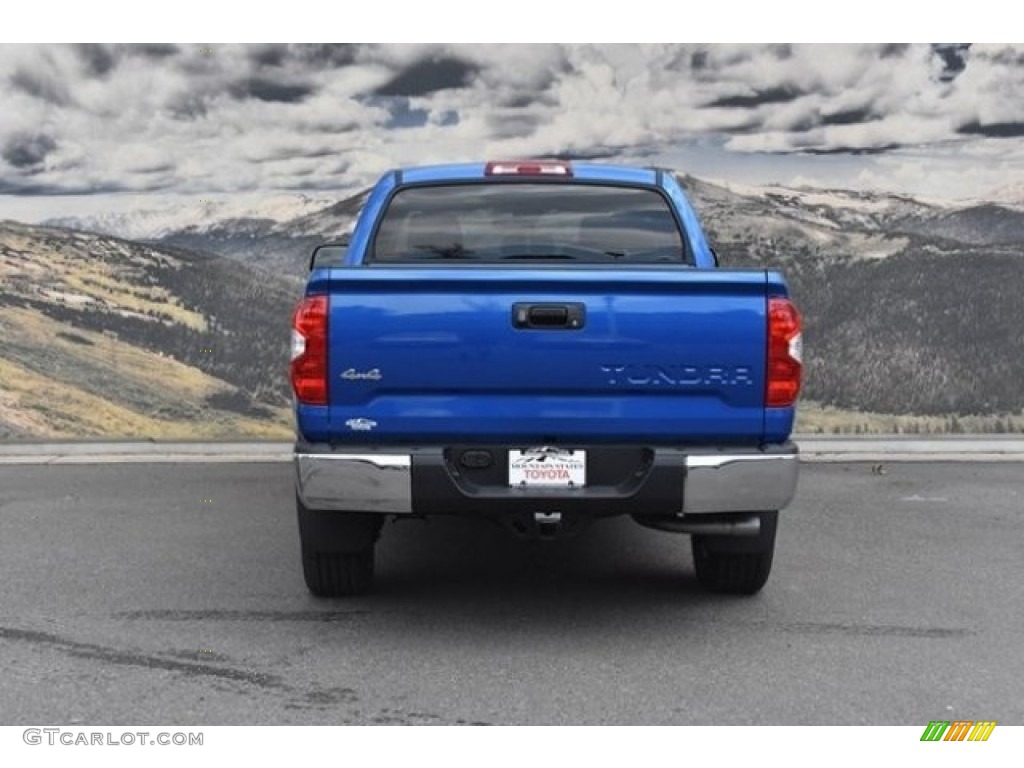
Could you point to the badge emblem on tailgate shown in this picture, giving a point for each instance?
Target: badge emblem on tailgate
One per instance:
(360, 425)
(655, 375)
(351, 374)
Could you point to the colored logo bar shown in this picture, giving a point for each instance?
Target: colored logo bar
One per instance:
(958, 730)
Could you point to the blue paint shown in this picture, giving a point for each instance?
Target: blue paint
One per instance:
(668, 354)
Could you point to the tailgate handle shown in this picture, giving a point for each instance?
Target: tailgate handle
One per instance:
(568, 317)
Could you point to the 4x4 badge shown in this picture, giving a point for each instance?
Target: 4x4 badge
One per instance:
(351, 374)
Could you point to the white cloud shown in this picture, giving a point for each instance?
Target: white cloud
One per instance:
(247, 118)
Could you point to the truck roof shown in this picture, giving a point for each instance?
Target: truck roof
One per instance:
(622, 174)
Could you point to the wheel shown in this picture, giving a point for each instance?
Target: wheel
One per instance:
(736, 565)
(338, 574)
(337, 550)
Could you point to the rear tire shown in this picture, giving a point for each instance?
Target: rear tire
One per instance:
(337, 550)
(736, 565)
(338, 575)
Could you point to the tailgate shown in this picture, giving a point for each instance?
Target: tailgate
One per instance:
(651, 356)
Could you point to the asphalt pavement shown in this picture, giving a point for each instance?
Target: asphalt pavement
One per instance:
(171, 593)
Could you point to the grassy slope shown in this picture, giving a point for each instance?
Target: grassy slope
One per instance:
(101, 341)
(816, 419)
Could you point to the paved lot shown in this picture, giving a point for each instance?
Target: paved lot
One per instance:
(128, 598)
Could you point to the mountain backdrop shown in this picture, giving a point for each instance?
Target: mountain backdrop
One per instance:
(109, 337)
(174, 323)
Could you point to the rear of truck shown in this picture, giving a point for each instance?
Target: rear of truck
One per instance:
(542, 344)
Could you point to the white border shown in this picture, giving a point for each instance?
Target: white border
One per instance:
(530, 746)
(416, 21)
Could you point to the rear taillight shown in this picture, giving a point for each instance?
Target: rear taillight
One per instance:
(785, 352)
(309, 351)
(528, 168)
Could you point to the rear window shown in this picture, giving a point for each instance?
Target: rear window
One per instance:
(549, 223)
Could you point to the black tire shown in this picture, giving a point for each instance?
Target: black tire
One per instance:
(736, 565)
(338, 574)
(337, 550)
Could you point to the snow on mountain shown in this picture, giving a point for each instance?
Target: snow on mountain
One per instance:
(1009, 195)
(825, 207)
(759, 224)
(775, 225)
(331, 221)
(157, 223)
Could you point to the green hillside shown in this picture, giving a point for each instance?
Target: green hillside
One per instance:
(104, 337)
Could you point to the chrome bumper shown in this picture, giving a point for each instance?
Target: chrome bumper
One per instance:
(355, 482)
(752, 480)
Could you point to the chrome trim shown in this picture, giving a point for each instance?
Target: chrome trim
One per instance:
(752, 481)
(355, 482)
(759, 481)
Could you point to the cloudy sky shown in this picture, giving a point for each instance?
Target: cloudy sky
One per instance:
(105, 127)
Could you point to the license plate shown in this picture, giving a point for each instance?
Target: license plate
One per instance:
(547, 467)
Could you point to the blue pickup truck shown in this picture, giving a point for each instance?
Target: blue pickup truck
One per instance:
(540, 343)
